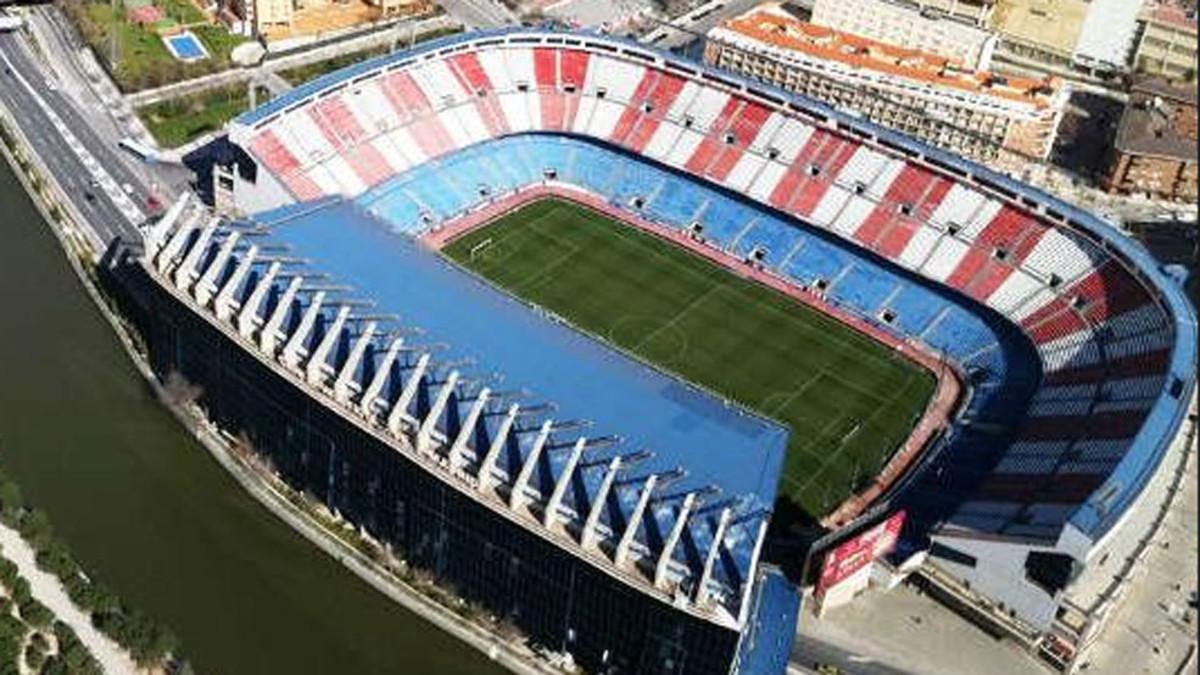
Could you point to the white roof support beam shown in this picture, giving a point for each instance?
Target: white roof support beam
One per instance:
(664, 558)
(457, 460)
(748, 583)
(400, 409)
(560, 486)
(223, 305)
(186, 272)
(207, 286)
(429, 424)
(174, 246)
(383, 371)
(714, 549)
(516, 498)
(635, 521)
(341, 386)
(489, 460)
(291, 350)
(250, 309)
(314, 370)
(270, 332)
(587, 538)
(154, 237)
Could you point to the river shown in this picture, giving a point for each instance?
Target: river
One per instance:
(146, 509)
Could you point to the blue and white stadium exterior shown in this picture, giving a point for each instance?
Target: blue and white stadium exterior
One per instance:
(1078, 350)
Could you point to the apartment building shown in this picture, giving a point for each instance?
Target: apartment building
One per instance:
(1096, 34)
(1154, 152)
(908, 24)
(288, 18)
(1004, 121)
(1167, 44)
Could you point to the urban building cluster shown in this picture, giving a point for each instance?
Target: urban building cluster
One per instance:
(937, 95)
(1154, 151)
(989, 79)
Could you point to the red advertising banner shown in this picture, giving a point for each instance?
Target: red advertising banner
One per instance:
(854, 554)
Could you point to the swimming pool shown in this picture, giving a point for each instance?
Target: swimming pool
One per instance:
(185, 46)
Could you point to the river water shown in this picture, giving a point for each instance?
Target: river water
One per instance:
(147, 509)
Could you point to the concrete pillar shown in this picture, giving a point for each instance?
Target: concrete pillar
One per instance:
(223, 305)
(291, 350)
(187, 269)
(587, 538)
(498, 441)
(174, 245)
(269, 336)
(429, 424)
(249, 311)
(560, 486)
(382, 372)
(341, 386)
(714, 550)
(400, 409)
(517, 497)
(464, 434)
(664, 558)
(207, 286)
(314, 370)
(635, 521)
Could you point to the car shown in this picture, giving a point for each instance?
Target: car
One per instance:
(89, 196)
(127, 188)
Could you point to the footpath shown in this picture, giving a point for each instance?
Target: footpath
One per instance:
(49, 591)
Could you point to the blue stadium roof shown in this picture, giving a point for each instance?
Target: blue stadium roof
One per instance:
(716, 442)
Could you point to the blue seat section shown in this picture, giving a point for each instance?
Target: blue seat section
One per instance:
(776, 237)
(675, 202)
(864, 287)
(915, 307)
(635, 180)
(724, 218)
(597, 171)
(960, 334)
(817, 259)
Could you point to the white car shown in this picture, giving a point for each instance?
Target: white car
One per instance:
(127, 188)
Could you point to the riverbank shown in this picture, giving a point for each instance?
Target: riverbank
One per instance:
(49, 591)
(153, 516)
(513, 657)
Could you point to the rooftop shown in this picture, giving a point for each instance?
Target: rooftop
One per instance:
(1153, 122)
(771, 25)
(500, 341)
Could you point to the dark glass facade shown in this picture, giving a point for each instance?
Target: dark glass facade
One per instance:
(559, 601)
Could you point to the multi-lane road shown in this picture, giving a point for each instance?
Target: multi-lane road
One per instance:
(92, 170)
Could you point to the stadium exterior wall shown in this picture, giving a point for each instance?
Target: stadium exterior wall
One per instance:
(557, 600)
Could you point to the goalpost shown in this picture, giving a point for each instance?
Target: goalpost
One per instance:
(480, 248)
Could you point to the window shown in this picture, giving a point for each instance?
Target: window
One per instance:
(952, 555)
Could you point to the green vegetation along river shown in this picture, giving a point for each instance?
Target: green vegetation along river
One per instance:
(147, 509)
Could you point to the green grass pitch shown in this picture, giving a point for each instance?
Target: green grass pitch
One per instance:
(848, 400)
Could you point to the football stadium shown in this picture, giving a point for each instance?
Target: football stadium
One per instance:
(568, 322)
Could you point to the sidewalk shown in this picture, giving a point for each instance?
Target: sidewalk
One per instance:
(47, 589)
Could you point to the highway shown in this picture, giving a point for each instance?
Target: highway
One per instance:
(91, 170)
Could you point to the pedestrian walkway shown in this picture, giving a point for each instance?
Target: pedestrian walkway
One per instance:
(49, 591)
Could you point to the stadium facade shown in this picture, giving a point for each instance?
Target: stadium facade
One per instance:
(622, 520)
